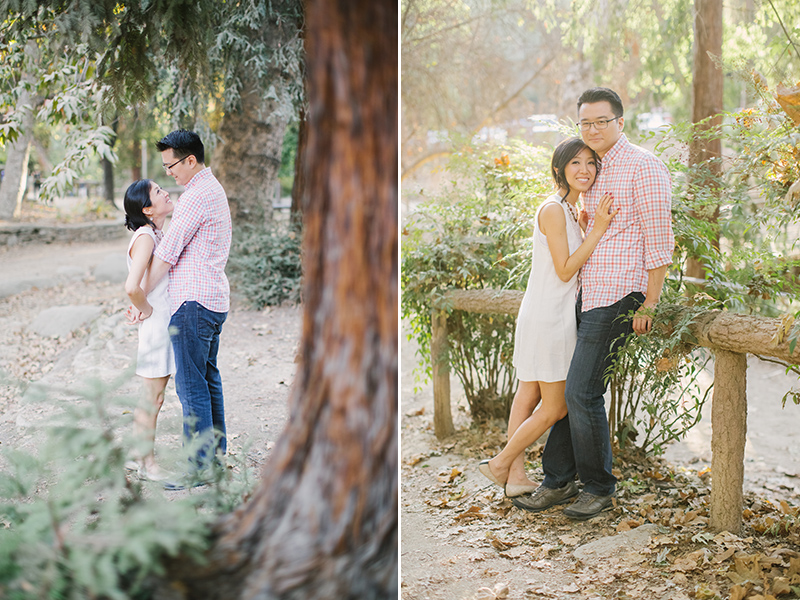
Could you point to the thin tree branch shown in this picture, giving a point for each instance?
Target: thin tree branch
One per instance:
(786, 33)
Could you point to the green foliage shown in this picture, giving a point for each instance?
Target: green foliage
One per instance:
(656, 392)
(96, 59)
(749, 252)
(265, 263)
(75, 527)
(473, 235)
(288, 156)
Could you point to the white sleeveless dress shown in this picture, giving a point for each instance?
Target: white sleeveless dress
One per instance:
(155, 357)
(546, 330)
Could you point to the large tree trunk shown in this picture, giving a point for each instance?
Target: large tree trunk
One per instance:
(705, 151)
(323, 522)
(15, 177)
(248, 160)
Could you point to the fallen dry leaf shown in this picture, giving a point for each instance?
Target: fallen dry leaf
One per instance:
(781, 587)
(416, 413)
(789, 99)
(485, 593)
(569, 540)
(473, 512)
(724, 556)
(449, 476)
(746, 569)
(416, 459)
(737, 592)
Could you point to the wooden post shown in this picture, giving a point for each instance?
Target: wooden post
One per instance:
(442, 416)
(728, 433)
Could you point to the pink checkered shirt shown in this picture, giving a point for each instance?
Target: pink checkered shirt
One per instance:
(197, 244)
(640, 237)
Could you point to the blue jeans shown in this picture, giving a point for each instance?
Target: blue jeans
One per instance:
(580, 442)
(195, 339)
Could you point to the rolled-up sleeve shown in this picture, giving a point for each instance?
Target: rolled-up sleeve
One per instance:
(652, 189)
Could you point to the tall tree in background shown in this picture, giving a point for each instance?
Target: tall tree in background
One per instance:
(235, 67)
(267, 92)
(323, 522)
(705, 151)
(15, 175)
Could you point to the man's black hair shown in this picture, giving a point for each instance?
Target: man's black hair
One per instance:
(183, 143)
(601, 94)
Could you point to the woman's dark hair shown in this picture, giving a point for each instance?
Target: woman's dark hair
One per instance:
(137, 197)
(565, 152)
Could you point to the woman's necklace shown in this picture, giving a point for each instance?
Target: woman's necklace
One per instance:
(572, 210)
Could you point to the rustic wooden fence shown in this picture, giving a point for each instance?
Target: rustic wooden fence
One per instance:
(730, 336)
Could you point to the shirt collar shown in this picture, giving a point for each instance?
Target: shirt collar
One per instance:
(617, 149)
(198, 178)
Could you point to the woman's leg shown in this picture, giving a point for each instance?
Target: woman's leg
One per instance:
(144, 422)
(508, 465)
(525, 402)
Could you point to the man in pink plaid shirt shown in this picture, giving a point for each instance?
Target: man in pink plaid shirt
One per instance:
(620, 282)
(194, 251)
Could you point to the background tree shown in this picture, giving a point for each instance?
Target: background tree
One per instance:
(15, 174)
(259, 59)
(233, 67)
(705, 150)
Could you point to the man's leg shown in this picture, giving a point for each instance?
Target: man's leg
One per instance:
(214, 380)
(194, 331)
(601, 331)
(558, 460)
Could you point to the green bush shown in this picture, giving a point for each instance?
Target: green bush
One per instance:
(475, 234)
(74, 527)
(265, 263)
(655, 388)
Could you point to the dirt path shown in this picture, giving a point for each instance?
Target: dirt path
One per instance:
(460, 539)
(256, 355)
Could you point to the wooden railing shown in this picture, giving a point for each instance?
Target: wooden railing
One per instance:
(730, 336)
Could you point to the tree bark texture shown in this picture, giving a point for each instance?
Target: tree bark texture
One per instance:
(707, 87)
(323, 522)
(504, 302)
(729, 428)
(248, 160)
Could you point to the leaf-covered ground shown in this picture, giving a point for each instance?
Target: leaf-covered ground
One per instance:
(257, 354)
(462, 539)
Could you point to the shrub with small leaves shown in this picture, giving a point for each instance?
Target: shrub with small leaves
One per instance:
(265, 263)
(475, 234)
(73, 526)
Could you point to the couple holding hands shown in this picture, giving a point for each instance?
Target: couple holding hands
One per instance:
(568, 329)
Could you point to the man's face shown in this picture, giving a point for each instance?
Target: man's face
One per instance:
(599, 140)
(179, 169)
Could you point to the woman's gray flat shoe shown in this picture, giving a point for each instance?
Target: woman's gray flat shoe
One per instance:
(483, 467)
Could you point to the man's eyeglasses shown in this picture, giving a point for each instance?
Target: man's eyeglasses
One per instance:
(168, 167)
(599, 125)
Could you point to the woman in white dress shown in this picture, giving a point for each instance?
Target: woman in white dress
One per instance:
(146, 209)
(546, 330)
